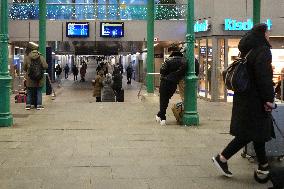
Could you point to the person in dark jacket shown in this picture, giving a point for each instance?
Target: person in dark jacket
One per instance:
(251, 113)
(66, 70)
(129, 72)
(117, 80)
(172, 71)
(75, 72)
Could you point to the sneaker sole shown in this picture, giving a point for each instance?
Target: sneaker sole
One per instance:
(219, 168)
(158, 120)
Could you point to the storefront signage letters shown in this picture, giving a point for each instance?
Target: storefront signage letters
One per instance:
(234, 25)
(201, 27)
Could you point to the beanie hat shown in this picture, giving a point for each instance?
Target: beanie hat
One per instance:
(259, 29)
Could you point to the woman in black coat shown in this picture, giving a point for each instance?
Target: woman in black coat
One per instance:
(251, 119)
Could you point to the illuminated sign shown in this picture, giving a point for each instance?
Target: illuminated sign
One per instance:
(201, 27)
(234, 25)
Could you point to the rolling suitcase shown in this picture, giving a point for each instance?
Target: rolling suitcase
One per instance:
(275, 147)
(120, 96)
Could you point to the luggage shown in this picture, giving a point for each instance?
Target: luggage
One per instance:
(178, 110)
(119, 95)
(21, 97)
(275, 147)
(276, 176)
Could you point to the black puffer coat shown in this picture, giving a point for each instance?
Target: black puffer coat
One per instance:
(173, 69)
(249, 119)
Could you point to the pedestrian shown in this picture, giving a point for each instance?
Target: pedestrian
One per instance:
(129, 72)
(98, 85)
(66, 70)
(172, 71)
(251, 114)
(75, 72)
(107, 91)
(58, 71)
(117, 80)
(34, 66)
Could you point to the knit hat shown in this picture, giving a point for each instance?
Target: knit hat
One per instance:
(259, 29)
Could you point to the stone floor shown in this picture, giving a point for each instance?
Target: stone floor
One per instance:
(77, 143)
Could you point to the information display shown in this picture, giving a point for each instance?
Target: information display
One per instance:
(77, 29)
(112, 29)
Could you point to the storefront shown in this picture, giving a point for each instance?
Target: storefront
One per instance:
(216, 52)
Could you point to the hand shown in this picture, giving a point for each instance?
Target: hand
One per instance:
(268, 106)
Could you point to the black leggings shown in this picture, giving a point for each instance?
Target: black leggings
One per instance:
(167, 90)
(236, 144)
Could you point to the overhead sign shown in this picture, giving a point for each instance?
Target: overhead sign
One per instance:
(234, 25)
(201, 26)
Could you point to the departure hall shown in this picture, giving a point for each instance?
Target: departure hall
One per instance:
(132, 94)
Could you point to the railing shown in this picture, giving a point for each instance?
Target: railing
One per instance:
(83, 11)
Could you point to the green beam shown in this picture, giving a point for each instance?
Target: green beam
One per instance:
(190, 116)
(150, 46)
(6, 118)
(42, 32)
(256, 11)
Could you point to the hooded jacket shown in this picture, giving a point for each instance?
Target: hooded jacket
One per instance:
(249, 120)
(173, 69)
(33, 55)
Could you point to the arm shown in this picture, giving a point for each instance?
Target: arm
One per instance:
(264, 74)
(44, 64)
(25, 66)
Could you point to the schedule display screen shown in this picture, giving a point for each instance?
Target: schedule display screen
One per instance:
(112, 29)
(77, 29)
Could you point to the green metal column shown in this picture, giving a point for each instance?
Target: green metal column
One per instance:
(190, 116)
(150, 46)
(6, 118)
(42, 32)
(256, 11)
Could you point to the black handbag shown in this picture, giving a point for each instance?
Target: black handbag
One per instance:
(236, 77)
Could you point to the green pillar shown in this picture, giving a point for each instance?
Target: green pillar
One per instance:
(256, 11)
(190, 116)
(150, 46)
(6, 118)
(42, 32)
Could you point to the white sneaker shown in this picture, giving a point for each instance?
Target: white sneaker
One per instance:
(158, 119)
(163, 123)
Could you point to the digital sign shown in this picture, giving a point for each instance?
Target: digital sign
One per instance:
(77, 29)
(112, 29)
(201, 26)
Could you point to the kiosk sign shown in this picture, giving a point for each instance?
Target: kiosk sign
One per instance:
(234, 25)
(201, 27)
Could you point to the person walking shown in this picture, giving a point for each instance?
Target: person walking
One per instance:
(58, 71)
(98, 84)
(129, 72)
(75, 72)
(66, 70)
(172, 71)
(83, 71)
(117, 80)
(251, 113)
(34, 66)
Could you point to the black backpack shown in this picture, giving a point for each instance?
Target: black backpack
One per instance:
(236, 77)
(36, 71)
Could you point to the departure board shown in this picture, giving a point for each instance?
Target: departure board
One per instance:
(77, 29)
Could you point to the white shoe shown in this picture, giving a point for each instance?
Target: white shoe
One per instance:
(158, 119)
(163, 123)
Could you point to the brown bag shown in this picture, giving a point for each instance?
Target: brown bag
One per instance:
(178, 111)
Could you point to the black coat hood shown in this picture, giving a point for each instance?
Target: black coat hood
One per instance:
(251, 40)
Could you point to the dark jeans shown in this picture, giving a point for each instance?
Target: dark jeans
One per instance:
(66, 75)
(75, 77)
(167, 90)
(236, 144)
(34, 96)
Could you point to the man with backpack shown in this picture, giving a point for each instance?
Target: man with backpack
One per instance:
(34, 66)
